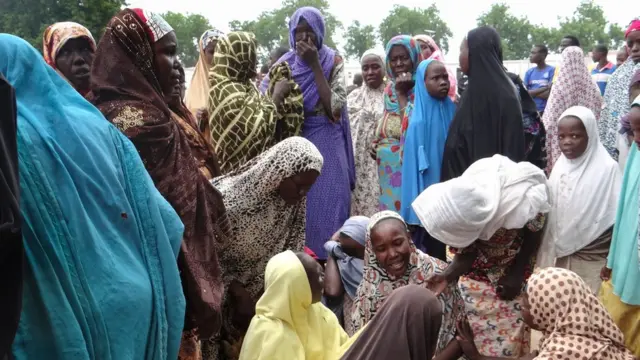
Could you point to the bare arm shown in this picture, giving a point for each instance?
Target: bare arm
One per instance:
(545, 94)
(538, 92)
(333, 287)
(461, 264)
(453, 351)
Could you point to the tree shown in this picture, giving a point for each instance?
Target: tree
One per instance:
(359, 39)
(589, 25)
(272, 28)
(404, 20)
(188, 29)
(513, 30)
(616, 36)
(29, 18)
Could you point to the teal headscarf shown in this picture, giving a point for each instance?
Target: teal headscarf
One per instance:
(390, 96)
(101, 278)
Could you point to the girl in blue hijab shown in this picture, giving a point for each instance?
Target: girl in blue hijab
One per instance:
(424, 142)
(101, 279)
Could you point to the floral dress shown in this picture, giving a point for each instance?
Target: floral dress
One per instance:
(389, 154)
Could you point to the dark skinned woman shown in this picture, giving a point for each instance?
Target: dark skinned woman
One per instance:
(318, 70)
(69, 48)
(134, 79)
(366, 105)
(489, 122)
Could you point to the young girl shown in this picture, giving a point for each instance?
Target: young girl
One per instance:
(424, 144)
(585, 186)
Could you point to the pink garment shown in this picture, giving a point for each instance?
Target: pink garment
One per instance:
(436, 54)
(573, 87)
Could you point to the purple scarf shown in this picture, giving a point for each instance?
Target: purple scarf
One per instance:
(302, 73)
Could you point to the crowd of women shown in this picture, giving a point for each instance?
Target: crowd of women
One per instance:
(281, 217)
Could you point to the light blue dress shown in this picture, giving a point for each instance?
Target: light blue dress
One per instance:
(101, 278)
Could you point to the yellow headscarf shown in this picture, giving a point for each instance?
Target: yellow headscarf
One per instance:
(198, 91)
(287, 325)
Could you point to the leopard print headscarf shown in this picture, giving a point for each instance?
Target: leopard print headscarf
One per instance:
(262, 223)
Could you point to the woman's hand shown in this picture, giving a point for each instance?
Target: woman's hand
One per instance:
(437, 283)
(245, 307)
(605, 273)
(373, 151)
(308, 51)
(404, 83)
(280, 91)
(465, 340)
(510, 285)
(202, 115)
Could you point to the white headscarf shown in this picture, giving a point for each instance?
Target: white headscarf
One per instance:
(492, 193)
(584, 192)
(263, 223)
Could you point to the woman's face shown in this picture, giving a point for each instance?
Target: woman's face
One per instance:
(425, 49)
(74, 61)
(437, 80)
(633, 44)
(167, 65)
(400, 60)
(464, 57)
(209, 50)
(372, 71)
(390, 243)
(315, 274)
(303, 32)
(572, 137)
(295, 188)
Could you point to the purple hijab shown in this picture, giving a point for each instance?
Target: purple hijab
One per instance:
(329, 200)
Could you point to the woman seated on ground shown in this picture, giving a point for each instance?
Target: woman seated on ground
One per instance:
(406, 327)
(391, 261)
(243, 122)
(265, 202)
(578, 234)
(491, 217)
(290, 322)
(135, 78)
(344, 266)
(575, 324)
(69, 48)
(100, 280)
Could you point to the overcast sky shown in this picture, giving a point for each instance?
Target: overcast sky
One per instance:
(460, 15)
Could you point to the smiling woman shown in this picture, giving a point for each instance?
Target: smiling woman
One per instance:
(392, 261)
(69, 48)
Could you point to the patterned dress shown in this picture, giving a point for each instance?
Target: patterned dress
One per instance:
(498, 326)
(365, 110)
(389, 133)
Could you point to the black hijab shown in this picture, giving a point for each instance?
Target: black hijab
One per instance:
(489, 119)
(11, 249)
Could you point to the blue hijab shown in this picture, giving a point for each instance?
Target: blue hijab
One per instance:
(424, 143)
(101, 278)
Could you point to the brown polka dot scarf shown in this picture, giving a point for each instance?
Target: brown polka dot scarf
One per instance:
(575, 324)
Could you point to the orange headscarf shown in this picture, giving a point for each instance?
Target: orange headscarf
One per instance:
(56, 35)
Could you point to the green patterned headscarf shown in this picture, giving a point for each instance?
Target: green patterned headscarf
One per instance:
(244, 123)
